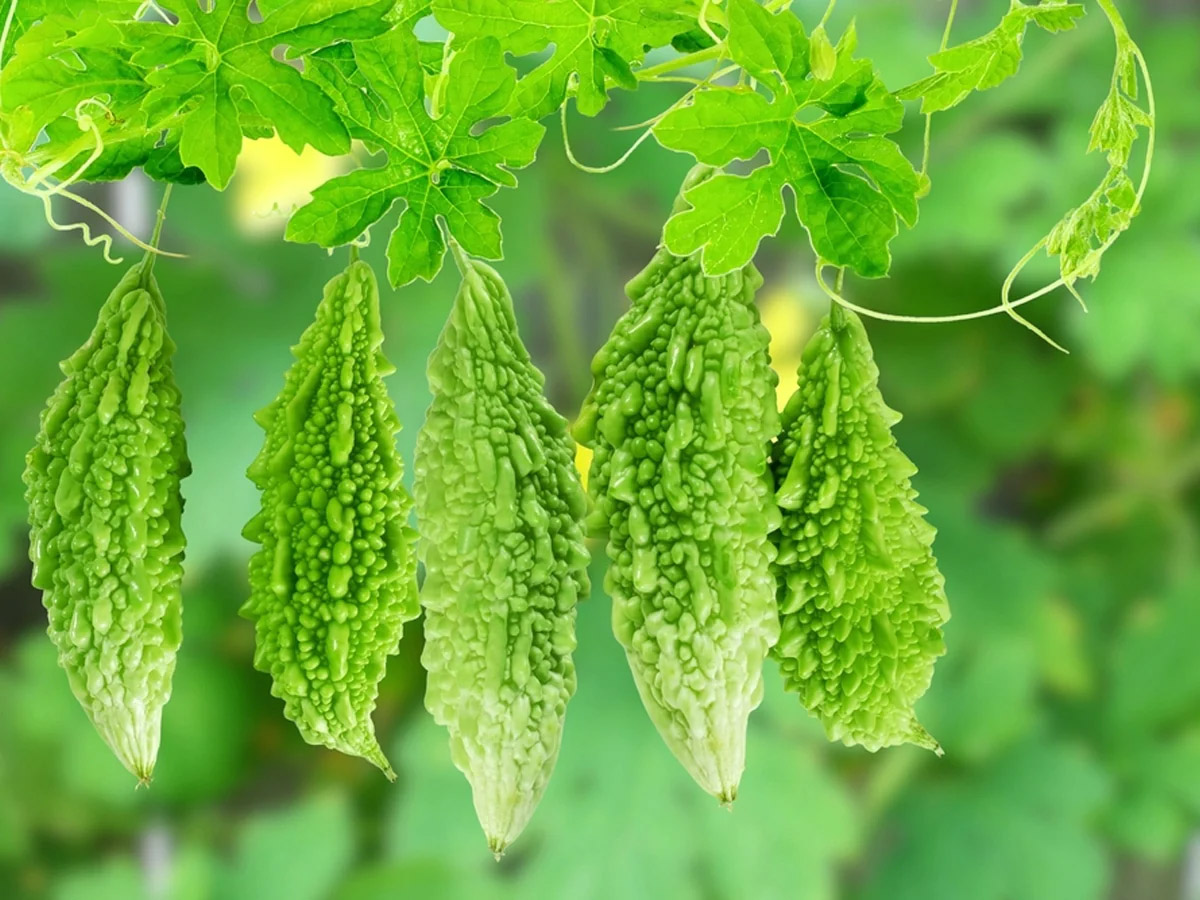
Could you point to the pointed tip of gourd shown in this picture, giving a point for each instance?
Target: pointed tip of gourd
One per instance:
(924, 739)
(497, 845)
(374, 755)
(143, 772)
(380, 762)
(727, 796)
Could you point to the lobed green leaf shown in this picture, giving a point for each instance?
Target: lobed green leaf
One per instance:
(987, 62)
(595, 44)
(826, 140)
(435, 163)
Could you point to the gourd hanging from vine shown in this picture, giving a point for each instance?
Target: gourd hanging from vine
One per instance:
(103, 488)
(680, 417)
(334, 579)
(861, 600)
(501, 508)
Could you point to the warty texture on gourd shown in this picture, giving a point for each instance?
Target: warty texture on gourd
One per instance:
(861, 599)
(501, 509)
(680, 418)
(103, 488)
(335, 578)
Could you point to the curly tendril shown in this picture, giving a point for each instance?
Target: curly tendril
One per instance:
(13, 165)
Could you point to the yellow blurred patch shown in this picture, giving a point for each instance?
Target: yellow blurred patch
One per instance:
(273, 180)
(786, 318)
(583, 462)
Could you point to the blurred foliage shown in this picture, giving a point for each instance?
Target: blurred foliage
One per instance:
(1066, 491)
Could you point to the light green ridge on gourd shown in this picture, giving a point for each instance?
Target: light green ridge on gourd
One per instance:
(501, 510)
(104, 510)
(861, 600)
(680, 418)
(335, 579)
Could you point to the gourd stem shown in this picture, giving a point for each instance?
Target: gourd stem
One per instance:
(461, 259)
(152, 252)
(837, 312)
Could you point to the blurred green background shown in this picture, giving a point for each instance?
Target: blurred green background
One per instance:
(1066, 490)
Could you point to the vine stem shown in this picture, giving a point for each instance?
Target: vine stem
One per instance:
(829, 12)
(705, 6)
(1010, 308)
(837, 298)
(461, 259)
(1115, 17)
(1124, 42)
(929, 116)
(647, 125)
(8, 21)
(716, 51)
(598, 170)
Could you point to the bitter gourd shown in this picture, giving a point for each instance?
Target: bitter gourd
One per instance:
(680, 417)
(861, 599)
(103, 488)
(501, 510)
(335, 578)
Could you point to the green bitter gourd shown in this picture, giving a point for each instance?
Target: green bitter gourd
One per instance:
(335, 578)
(680, 417)
(861, 599)
(501, 510)
(104, 508)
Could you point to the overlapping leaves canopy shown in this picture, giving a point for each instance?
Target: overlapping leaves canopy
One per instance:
(92, 89)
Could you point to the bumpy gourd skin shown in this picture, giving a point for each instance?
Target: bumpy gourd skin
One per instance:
(501, 509)
(104, 509)
(335, 579)
(680, 418)
(861, 600)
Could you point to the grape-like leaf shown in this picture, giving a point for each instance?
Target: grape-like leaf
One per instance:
(596, 42)
(437, 164)
(988, 61)
(826, 139)
(64, 66)
(31, 12)
(211, 61)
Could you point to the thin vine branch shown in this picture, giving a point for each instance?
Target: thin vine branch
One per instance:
(688, 60)
(837, 298)
(929, 116)
(1123, 41)
(599, 170)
